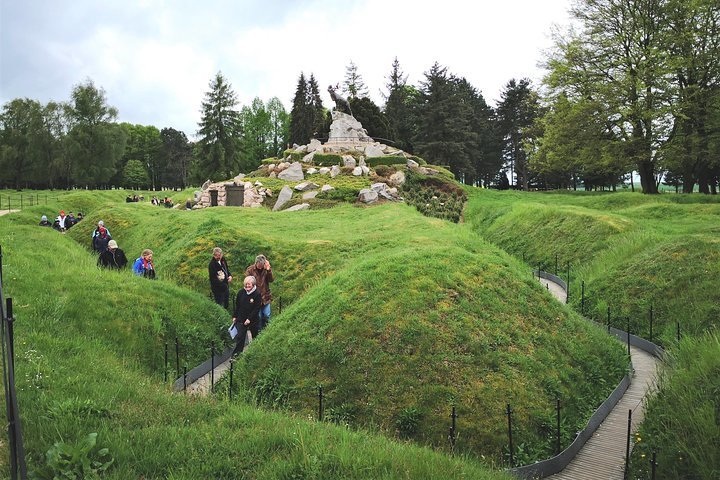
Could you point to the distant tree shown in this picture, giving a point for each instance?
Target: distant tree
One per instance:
(219, 132)
(94, 142)
(353, 86)
(518, 108)
(307, 117)
(256, 128)
(176, 153)
(19, 121)
(144, 144)
(279, 126)
(444, 132)
(135, 175)
(400, 103)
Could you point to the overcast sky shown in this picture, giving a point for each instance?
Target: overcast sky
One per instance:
(155, 58)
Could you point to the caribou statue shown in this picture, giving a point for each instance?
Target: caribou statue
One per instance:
(341, 103)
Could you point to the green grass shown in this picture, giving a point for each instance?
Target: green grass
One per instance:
(635, 252)
(397, 315)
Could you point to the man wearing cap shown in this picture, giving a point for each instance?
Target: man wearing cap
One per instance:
(263, 275)
(113, 258)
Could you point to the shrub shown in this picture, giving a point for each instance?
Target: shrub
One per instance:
(385, 170)
(294, 156)
(327, 159)
(385, 160)
(84, 460)
(408, 422)
(343, 194)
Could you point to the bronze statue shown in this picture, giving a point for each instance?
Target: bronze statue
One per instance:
(341, 103)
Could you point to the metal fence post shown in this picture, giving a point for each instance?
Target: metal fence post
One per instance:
(212, 367)
(628, 336)
(320, 403)
(558, 446)
(678, 331)
(508, 412)
(627, 445)
(177, 356)
(184, 378)
(567, 297)
(280, 305)
(653, 466)
(453, 432)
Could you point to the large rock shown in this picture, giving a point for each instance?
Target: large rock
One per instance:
(308, 158)
(252, 198)
(334, 171)
(314, 145)
(326, 188)
(374, 151)
(205, 185)
(323, 170)
(397, 178)
(349, 161)
(312, 171)
(239, 179)
(357, 171)
(367, 196)
(310, 194)
(305, 186)
(295, 208)
(283, 197)
(293, 173)
(412, 163)
(345, 128)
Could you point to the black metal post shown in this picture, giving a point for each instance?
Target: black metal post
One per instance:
(567, 297)
(166, 363)
(177, 356)
(628, 335)
(1, 258)
(452, 437)
(231, 380)
(279, 305)
(184, 378)
(627, 445)
(582, 298)
(508, 412)
(653, 466)
(678, 331)
(524, 257)
(557, 446)
(212, 367)
(320, 403)
(9, 403)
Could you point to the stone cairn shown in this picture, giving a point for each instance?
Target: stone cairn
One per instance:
(348, 139)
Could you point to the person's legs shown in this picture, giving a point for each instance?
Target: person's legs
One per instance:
(221, 297)
(240, 339)
(264, 317)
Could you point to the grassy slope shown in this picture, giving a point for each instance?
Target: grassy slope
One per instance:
(667, 257)
(477, 328)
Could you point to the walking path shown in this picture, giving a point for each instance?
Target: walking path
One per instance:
(603, 456)
(201, 386)
(5, 212)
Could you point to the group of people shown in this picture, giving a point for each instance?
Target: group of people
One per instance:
(252, 303)
(62, 222)
(165, 202)
(134, 198)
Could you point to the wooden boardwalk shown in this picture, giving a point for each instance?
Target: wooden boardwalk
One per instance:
(603, 456)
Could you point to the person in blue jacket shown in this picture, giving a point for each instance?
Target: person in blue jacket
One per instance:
(143, 266)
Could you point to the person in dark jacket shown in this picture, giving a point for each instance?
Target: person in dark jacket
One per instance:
(262, 272)
(100, 243)
(44, 222)
(245, 316)
(220, 277)
(113, 258)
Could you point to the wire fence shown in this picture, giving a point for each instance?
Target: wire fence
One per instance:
(19, 201)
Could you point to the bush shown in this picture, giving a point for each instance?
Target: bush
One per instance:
(327, 159)
(84, 460)
(385, 170)
(294, 156)
(385, 160)
(343, 194)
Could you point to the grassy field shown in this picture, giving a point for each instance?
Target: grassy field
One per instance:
(635, 252)
(397, 315)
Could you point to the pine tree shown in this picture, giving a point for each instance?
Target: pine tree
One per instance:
(399, 105)
(300, 124)
(220, 132)
(353, 86)
(316, 110)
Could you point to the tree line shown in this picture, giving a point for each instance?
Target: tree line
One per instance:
(634, 86)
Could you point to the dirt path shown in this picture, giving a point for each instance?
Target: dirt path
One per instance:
(5, 212)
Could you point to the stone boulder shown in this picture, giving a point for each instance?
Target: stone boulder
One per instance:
(357, 171)
(296, 208)
(308, 158)
(349, 161)
(293, 173)
(323, 170)
(283, 197)
(374, 151)
(305, 186)
(412, 163)
(310, 194)
(314, 145)
(326, 188)
(397, 178)
(367, 196)
(334, 171)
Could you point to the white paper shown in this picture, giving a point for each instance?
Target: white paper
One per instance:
(233, 331)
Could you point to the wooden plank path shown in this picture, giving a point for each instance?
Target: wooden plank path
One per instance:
(603, 456)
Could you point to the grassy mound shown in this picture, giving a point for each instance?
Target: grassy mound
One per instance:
(665, 258)
(89, 349)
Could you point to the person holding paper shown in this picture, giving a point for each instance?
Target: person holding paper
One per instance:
(245, 316)
(220, 277)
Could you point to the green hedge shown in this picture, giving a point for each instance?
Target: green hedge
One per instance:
(294, 156)
(385, 160)
(327, 159)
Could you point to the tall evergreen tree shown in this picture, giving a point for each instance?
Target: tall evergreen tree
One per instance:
(176, 152)
(279, 125)
(354, 86)
(517, 111)
(219, 131)
(445, 135)
(301, 125)
(316, 110)
(400, 103)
